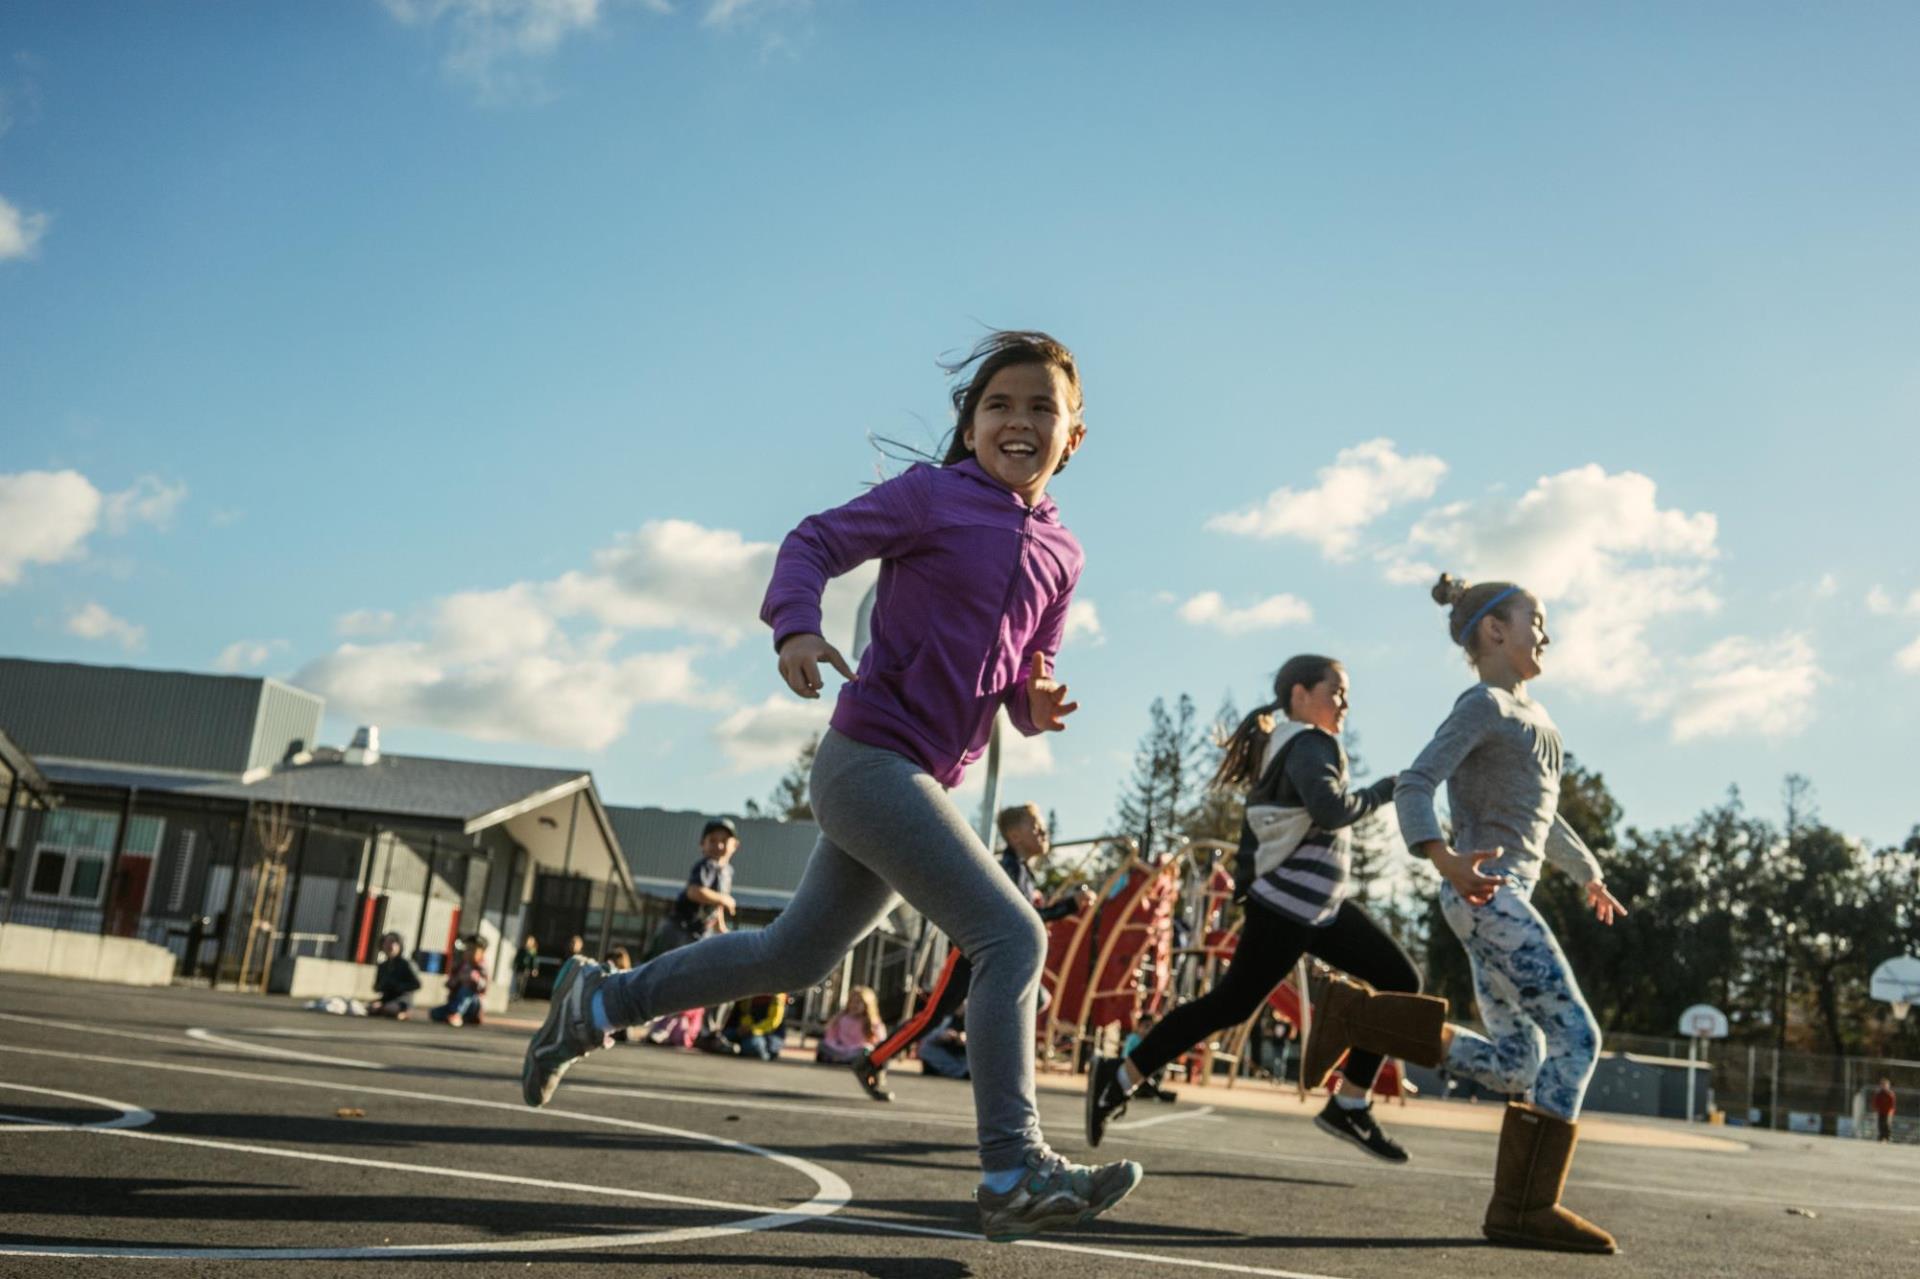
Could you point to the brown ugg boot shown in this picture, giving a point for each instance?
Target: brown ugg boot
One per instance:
(1536, 1149)
(1392, 1023)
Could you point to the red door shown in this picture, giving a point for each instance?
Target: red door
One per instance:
(128, 896)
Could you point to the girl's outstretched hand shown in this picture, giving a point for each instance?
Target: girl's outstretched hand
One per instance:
(1047, 704)
(800, 659)
(1606, 907)
(1462, 870)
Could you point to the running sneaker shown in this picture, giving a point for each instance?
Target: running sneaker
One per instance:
(872, 1078)
(1358, 1127)
(568, 1033)
(1054, 1193)
(1105, 1100)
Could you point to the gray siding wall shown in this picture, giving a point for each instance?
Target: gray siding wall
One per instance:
(117, 714)
(661, 844)
(286, 716)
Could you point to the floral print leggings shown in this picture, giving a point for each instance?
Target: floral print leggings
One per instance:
(1544, 1037)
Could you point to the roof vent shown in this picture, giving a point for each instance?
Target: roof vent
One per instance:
(366, 745)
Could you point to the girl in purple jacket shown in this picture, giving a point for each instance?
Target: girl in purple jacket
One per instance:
(976, 572)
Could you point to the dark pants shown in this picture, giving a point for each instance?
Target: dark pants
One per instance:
(1270, 945)
(1886, 1127)
(956, 976)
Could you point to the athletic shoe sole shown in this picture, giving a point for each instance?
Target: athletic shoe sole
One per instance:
(1135, 1175)
(560, 1004)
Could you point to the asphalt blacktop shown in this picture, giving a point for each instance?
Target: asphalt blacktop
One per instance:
(176, 1131)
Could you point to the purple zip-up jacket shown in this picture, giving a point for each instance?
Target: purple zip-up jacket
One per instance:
(973, 582)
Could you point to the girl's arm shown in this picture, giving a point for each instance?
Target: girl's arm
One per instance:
(1570, 853)
(882, 522)
(1464, 729)
(1319, 776)
(1045, 645)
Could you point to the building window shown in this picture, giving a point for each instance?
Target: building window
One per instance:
(75, 845)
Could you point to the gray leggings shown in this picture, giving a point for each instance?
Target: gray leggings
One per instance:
(886, 826)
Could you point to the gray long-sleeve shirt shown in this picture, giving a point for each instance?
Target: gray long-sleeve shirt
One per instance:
(1500, 757)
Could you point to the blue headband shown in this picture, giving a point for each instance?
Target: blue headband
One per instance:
(1486, 608)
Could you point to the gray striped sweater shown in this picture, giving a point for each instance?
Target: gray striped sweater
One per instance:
(1303, 784)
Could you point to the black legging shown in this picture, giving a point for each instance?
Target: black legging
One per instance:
(1270, 945)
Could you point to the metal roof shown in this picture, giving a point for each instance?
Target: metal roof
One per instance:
(394, 786)
(663, 844)
(166, 719)
(18, 766)
(408, 786)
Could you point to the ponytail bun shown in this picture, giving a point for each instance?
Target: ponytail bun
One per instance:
(1449, 590)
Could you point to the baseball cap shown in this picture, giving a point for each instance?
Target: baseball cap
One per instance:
(720, 823)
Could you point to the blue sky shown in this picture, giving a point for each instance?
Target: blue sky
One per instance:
(467, 369)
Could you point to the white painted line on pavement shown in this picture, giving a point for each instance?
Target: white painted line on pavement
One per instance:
(130, 1116)
(1175, 1117)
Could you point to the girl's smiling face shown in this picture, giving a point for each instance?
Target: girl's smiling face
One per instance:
(1024, 427)
(1323, 705)
(1516, 636)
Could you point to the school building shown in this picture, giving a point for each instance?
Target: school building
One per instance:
(197, 813)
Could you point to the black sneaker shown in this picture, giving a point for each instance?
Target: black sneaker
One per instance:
(1104, 1098)
(872, 1078)
(1358, 1127)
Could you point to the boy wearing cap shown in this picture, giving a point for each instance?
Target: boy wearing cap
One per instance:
(707, 900)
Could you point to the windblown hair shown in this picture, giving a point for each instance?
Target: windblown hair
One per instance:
(1244, 748)
(1002, 349)
(1464, 600)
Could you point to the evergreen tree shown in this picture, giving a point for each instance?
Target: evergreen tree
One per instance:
(789, 801)
(1163, 797)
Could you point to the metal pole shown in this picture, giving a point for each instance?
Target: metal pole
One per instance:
(8, 854)
(426, 896)
(113, 866)
(1773, 1107)
(1693, 1054)
(1753, 1053)
(299, 872)
(990, 796)
(233, 889)
(606, 916)
(573, 820)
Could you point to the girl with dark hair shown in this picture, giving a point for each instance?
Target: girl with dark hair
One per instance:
(1500, 755)
(1292, 873)
(976, 574)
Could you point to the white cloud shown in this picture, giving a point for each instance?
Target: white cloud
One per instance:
(770, 733)
(1596, 546)
(247, 655)
(1364, 483)
(1741, 685)
(1208, 608)
(1908, 658)
(542, 661)
(490, 42)
(94, 622)
(1083, 619)
(1827, 587)
(45, 517)
(1880, 603)
(578, 700)
(364, 623)
(20, 232)
(676, 574)
(151, 500)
